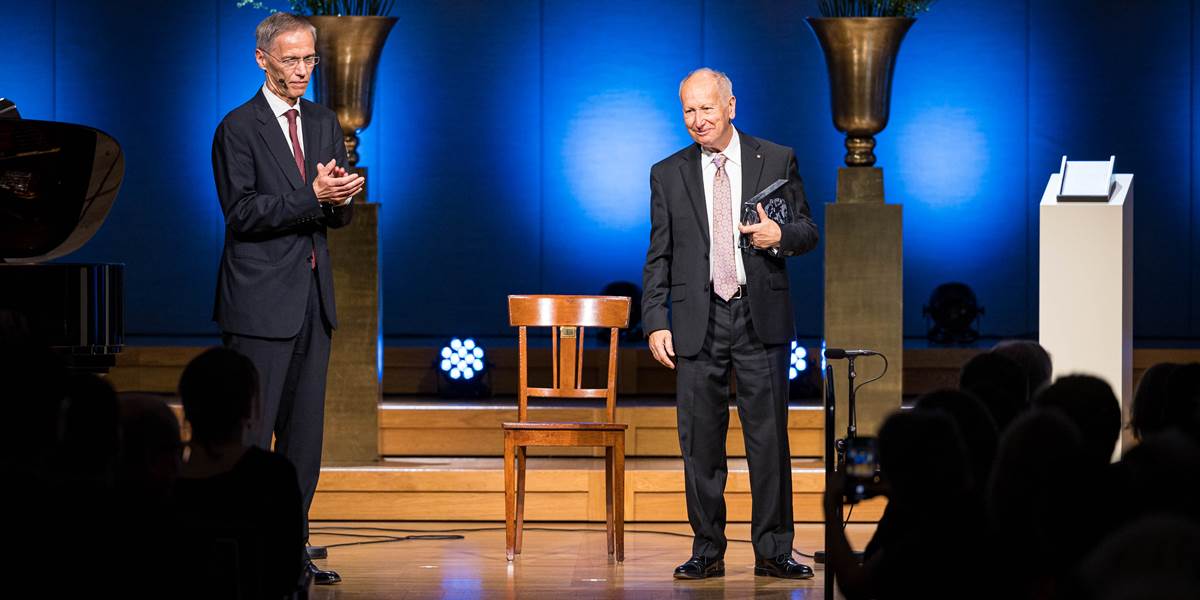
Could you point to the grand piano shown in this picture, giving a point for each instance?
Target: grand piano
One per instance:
(57, 184)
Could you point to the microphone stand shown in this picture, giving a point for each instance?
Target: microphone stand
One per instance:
(852, 413)
(835, 455)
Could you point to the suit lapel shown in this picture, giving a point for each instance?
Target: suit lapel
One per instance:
(272, 135)
(312, 140)
(752, 168)
(693, 181)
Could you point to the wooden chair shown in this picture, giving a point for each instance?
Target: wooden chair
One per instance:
(567, 316)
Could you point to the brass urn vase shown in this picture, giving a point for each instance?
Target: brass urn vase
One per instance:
(860, 54)
(345, 81)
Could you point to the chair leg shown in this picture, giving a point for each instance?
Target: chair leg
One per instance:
(510, 500)
(619, 495)
(520, 496)
(608, 496)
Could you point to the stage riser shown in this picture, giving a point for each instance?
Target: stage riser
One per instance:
(457, 431)
(406, 430)
(553, 495)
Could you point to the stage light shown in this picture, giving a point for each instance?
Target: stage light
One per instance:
(802, 384)
(799, 361)
(462, 369)
(955, 311)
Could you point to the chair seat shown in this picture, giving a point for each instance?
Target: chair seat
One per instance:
(569, 426)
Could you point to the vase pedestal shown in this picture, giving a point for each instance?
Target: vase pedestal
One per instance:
(353, 389)
(864, 293)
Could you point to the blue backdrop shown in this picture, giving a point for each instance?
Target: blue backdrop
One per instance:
(512, 141)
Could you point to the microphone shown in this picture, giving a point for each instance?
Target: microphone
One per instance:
(282, 83)
(836, 353)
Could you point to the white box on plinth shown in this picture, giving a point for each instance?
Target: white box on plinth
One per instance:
(1085, 286)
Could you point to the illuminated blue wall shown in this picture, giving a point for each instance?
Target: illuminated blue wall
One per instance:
(512, 141)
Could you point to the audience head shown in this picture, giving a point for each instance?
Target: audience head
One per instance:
(999, 383)
(219, 390)
(151, 450)
(1033, 360)
(1148, 413)
(1035, 488)
(1162, 476)
(922, 458)
(1090, 404)
(89, 431)
(975, 424)
(1153, 558)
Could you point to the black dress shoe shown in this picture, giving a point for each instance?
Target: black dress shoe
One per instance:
(698, 567)
(782, 566)
(322, 577)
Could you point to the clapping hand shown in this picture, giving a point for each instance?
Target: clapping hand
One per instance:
(334, 185)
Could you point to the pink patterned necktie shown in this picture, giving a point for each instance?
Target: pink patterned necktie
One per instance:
(298, 154)
(725, 282)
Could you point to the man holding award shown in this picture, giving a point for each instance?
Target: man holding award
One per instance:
(716, 255)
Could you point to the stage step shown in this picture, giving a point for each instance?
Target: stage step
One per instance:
(559, 489)
(473, 429)
(433, 428)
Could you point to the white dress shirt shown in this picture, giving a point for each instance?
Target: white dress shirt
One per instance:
(279, 107)
(733, 168)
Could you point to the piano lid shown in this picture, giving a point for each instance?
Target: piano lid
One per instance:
(57, 184)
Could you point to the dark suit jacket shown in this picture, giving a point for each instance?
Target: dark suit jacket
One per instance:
(677, 268)
(273, 219)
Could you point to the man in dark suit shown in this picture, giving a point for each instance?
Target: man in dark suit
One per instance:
(278, 161)
(729, 307)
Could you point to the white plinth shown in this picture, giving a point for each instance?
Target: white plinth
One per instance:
(1086, 286)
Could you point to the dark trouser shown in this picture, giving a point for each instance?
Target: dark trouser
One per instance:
(291, 375)
(702, 406)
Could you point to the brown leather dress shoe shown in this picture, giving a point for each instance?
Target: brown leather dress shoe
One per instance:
(698, 567)
(783, 567)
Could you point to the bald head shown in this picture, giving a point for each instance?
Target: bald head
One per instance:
(710, 76)
(708, 108)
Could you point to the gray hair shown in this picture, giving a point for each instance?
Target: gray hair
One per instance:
(278, 24)
(724, 84)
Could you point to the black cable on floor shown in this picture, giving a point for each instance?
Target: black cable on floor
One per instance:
(332, 530)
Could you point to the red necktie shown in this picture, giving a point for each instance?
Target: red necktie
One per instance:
(299, 154)
(296, 150)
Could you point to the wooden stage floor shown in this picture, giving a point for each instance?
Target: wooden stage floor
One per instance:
(563, 564)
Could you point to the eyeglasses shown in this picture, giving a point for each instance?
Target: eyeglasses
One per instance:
(291, 61)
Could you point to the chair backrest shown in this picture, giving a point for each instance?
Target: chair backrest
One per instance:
(567, 316)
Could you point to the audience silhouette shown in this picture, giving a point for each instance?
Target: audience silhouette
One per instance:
(1000, 383)
(239, 505)
(933, 511)
(1032, 358)
(989, 495)
(1090, 404)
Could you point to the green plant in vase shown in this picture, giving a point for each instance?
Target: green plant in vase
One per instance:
(873, 8)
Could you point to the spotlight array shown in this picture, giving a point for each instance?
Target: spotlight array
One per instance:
(799, 361)
(462, 359)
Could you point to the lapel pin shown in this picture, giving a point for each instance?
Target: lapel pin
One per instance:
(757, 156)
